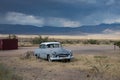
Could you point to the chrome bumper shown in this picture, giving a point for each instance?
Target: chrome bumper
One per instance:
(61, 58)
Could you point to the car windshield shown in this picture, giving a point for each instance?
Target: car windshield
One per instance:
(53, 45)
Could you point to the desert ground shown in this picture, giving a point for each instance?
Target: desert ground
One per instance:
(91, 62)
(87, 36)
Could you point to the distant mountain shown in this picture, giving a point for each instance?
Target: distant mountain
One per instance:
(98, 28)
(28, 29)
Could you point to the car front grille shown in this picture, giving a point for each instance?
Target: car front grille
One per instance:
(63, 55)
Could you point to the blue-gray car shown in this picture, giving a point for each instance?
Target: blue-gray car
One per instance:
(53, 51)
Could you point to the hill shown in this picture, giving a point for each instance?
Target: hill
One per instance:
(47, 30)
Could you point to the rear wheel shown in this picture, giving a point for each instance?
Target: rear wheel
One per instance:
(37, 57)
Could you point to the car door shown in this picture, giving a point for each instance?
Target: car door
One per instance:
(43, 51)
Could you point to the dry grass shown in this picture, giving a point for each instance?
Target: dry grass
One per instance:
(7, 74)
(82, 67)
(88, 67)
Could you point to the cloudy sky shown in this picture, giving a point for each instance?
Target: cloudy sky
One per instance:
(59, 13)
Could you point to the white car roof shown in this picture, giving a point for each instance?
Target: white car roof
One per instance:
(50, 43)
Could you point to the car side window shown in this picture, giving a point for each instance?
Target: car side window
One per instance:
(42, 46)
(50, 46)
(56, 45)
(53, 45)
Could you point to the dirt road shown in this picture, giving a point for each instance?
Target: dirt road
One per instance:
(76, 49)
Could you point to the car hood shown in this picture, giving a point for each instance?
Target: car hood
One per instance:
(60, 51)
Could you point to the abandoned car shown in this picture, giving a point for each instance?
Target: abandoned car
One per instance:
(53, 51)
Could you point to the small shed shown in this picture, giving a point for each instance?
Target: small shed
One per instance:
(8, 44)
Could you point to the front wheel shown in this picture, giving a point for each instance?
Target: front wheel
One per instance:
(48, 58)
(68, 60)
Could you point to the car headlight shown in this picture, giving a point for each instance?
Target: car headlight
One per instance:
(54, 54)
(71, 54)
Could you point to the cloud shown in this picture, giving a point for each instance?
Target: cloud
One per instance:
(66, 13)
(98, 2)
(112, 20)
(109, 31)
(110, 2)
(101, 17)
(24, 19)
(77, 1)
(62, 22)
(71, 23)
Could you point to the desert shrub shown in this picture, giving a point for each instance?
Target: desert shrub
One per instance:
(100, 68)
(27, 55)
(93, 41)
(7, 74)
(85, 42)
(66, 41)
(105, 42)
(69, 42)
(40, 39)
(100, 57)
(117, 43)
(12, 36)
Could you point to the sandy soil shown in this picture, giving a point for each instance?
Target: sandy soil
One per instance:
(38, 69)
(89, 36)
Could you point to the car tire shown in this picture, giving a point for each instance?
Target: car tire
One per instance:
(37, 57)
(68, 60)
(48, 58)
